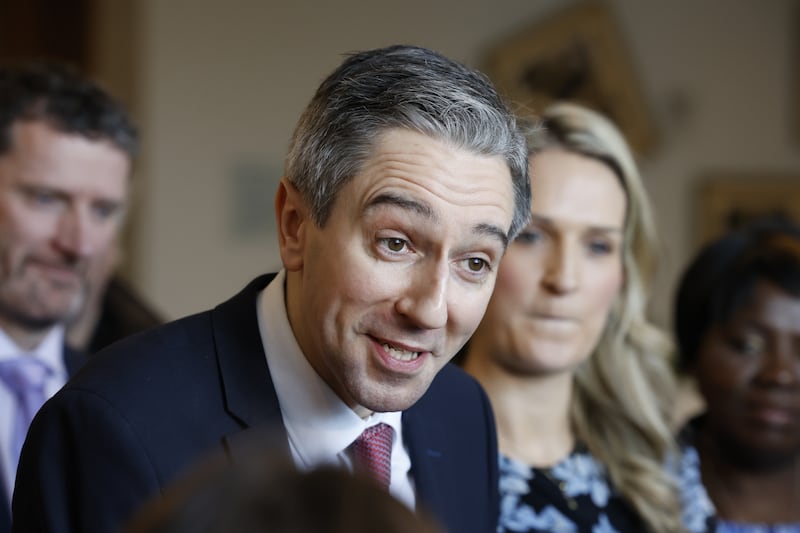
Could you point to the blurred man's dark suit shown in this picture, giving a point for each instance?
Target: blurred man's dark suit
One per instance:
(202, 384)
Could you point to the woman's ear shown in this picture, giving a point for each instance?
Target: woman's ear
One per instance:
(291, 215)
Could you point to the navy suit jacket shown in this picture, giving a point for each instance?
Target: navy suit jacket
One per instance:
(144, 410)
(72, 361)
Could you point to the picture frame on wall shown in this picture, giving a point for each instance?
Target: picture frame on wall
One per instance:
(578, 54)
(726, 201)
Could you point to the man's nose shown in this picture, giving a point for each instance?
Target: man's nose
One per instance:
(75, 234)
(425, 298)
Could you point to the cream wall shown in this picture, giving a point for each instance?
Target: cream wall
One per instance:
(221, 85)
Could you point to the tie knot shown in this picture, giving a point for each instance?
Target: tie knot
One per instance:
(381, 434)
(372, 453)
(24, 374)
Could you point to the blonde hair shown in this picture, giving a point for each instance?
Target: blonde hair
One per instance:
(623, 392)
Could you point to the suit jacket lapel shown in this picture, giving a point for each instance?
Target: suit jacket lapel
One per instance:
(249, 393)
(427, 445)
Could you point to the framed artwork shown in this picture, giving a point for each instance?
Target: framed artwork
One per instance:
(727, 201)
(579, 55)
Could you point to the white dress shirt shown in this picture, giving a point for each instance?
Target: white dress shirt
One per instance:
(319, 424)
(51, 352)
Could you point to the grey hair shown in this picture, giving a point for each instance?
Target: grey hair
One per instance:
(400, 87)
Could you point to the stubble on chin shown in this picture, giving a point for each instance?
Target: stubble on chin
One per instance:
(38, 310)
(383, 398)
(77, 304)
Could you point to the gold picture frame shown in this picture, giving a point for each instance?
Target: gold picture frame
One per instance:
(579, 55)
(725, 201)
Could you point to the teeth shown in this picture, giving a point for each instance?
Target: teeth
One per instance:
(402, 355)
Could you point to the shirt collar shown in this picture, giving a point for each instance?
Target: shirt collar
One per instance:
(319, 424)
(50, 351)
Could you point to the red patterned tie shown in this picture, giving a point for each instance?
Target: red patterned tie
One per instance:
(372, 453)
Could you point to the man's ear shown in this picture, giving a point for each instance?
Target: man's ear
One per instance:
(292, 216)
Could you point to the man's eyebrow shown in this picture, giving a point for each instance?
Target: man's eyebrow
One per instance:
(403, 203)
(492, 231)
(425, 210)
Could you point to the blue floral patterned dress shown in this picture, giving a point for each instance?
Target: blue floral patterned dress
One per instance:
(699, 514)
(573, 496)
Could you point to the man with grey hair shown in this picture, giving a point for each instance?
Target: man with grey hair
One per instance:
(405, 180)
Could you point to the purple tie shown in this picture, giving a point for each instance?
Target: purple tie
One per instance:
(372, 453)
(25, 378)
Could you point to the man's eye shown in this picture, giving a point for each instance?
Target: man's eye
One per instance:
(476, 264)
(104, 211)
(42, 198)
(395, 244)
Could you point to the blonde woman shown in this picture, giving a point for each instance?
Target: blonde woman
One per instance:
(579, 380)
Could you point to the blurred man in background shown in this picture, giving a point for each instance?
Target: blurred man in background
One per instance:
(65, 159)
